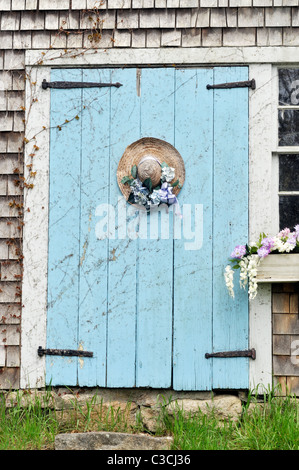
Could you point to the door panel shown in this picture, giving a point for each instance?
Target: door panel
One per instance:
(148, 307)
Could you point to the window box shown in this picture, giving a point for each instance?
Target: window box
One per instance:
(279, 268)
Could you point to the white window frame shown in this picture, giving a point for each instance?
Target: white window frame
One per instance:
(35, 235)
(279, 150)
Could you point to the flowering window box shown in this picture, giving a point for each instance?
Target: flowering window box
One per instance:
(282, 267)
(271, 259)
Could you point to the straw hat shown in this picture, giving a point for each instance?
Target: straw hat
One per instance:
(148, 154)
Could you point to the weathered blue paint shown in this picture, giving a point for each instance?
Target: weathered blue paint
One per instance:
(149, 309)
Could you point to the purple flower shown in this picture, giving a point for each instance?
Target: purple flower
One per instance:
(297, 230)
(263, 251)
(239, 251)
(268, 243)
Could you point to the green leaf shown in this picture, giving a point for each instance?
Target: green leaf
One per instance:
(131, 198)
(134, 171)
(126, 179)
(175, 183)
(148, 184)
(163, 165)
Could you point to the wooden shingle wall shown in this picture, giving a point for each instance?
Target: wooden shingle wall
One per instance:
(69, 24)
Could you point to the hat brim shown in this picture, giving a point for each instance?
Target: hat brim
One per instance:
(157, 148)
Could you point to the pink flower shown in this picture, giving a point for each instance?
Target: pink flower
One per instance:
(284, 233)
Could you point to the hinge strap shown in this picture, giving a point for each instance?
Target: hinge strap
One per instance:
(248, 353)
(66, 85)
(63, 352)
(249, 84)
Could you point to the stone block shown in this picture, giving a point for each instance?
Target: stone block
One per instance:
(41, 40)
(191, 38)
(10, 314)
(285, 324)
(153, 38)
(251, 17)
(277, 17)
(15, 99)
(6, 40)
(18, 5)
(122, 39)
(79, 4)
(10, 21)
(111, 441)
(10, 335)
(11, 270)
(115, 4)
(127, 19)
(6, 121)
(9, 378)
(54, 4)
(51, 20)
(171, 38)
(5, 80)
(3, 244)
(290, 37)
(74, 40)
(218, 18)
(31, 4)
(138, 39)
(2, 356)
(294, 303)
(5, 5)
(282, 344)
(167, 19)
(58, 40)
(286, 365)
(22, 40)
(281, 303)
(239, 37)
(269, 36)
(32, 21)
(240, 3)
(8, 163)
(189, 4)
(14, 60)
(3, 192)
(12, 356)
(211, 37)
(225, 406)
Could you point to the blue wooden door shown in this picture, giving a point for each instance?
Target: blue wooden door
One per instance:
(149, 307)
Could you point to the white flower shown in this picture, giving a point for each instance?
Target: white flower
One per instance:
(168, 174)
(229, 280)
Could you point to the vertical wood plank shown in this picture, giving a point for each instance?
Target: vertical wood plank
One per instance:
(64, 217)
(155, 276)
(93, 252)
(193, 261)
(230, 224)
(121, 341)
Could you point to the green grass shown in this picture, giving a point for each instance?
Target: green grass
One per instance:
(270, 425)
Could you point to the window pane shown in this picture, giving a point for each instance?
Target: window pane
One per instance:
(288, 130)
(288, 87)
(288, 211)
(288, 172)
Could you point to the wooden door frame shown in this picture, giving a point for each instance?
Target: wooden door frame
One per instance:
(36, 200)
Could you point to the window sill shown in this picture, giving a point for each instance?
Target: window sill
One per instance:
(279, 268)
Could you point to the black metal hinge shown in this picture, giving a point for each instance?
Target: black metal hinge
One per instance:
(248, 353)
(63, 352)
(66, 85)
(247, 84)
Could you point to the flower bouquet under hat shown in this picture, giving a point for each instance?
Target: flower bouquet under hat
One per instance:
(147, 194)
